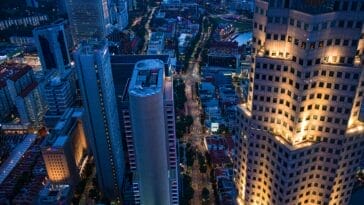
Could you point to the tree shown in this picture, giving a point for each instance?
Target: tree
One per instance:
(202, 163)
(92, 193)
(203, 168)
(205, 194)
(179, 94)
(189, 120)
(190, 155)
(188, 191)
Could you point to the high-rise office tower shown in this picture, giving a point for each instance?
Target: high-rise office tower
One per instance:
(98, 95)
(150, 134)
(300, 139)
(52, 47)
(88, 19)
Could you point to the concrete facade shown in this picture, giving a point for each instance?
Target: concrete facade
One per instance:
(300, 139)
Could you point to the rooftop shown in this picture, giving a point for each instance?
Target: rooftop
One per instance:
(15, 156)
(219, 157)
(60, 141)
(122, 69)
(133, 59)
(215, 143)
(13, 71)
(147, 78)
(58, 79)
(51, 27)
(156, 36)
(54, 193)
(90, 47)
(28, 89)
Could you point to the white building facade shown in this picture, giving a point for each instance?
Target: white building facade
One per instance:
(149, 127)
(299, 136)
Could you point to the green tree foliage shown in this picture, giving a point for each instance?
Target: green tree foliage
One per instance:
(179, 94)
(205, 194)
(190, 155)
(188, 191)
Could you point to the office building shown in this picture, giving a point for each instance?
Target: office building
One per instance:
(89, 19)
(148, 112)
(60, 94)
(300, 140)
(66, 152)
(59, 162)
(52, 47)
(98, 95)
(54, 194)
(156, 43)
(122, 69)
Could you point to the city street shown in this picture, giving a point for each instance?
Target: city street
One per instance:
(196, 135)
(148, 30)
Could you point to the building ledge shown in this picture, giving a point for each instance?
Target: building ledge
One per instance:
(291, 146)
(243, 107)
(356, 128)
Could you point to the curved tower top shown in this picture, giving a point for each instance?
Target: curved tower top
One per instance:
(147, 78)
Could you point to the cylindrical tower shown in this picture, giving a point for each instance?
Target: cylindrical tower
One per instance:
(147, 116)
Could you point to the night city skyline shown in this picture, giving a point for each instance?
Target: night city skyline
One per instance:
(190, 102)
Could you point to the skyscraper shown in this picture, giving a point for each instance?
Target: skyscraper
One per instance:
(52, 47)
(98, 95)
(150, 134)
(88, 19)
(300, 138)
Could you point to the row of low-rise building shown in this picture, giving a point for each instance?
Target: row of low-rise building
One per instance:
(171, 32)
(22, 184)
(221, 150)
(218, 97)
(26, 21)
